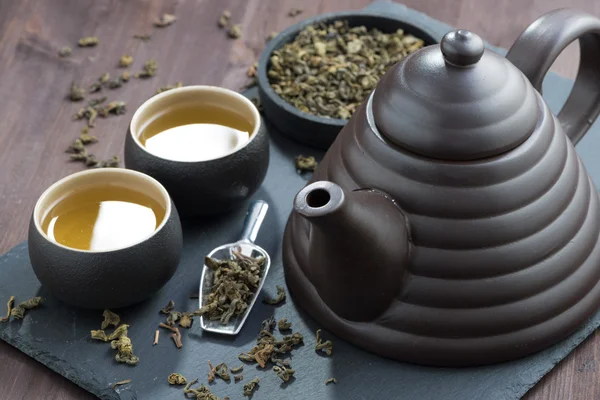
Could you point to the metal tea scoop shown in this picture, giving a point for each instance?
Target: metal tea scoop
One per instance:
(245, 246)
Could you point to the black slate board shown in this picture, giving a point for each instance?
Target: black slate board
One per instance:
(58, 336)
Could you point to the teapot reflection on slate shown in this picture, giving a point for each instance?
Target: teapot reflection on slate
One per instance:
(451, 223)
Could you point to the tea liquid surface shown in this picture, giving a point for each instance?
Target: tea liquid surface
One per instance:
(196, 134)
(102, 218)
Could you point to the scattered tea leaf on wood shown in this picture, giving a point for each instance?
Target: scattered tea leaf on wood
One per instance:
(19, 311)
(85, 137)
(237, 378)
(165, 20)
(224, 19)
(234, 283)
(125, 61)
(77, 92)
(169, 87)
(236, 370)
(284, 325)
(88, 41)
(331, 380)
(125, 382)
(99, 335)
(251, 386)
(295, 12)
(168, 308)
(125, 76)
(76, 147)
(329, 69)
(110, 318)
(200, 393)
(305, 164)
(278, 299)
(91, 160)
(156, 336)
(115, 83)
(326, 346)
(9, 306)
(272, 36)
(235, 31)
(65, 51)
(252, 70)
(114, 107)
(145, 36)
(149, 70)
(284, 373)
(112, 162)
(176, 379)
(95, 102)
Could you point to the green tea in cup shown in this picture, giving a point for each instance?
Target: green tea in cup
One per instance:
(196, 133)
(102, 217)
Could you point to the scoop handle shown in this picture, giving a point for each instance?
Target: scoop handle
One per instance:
(541, 43)
(254, 219)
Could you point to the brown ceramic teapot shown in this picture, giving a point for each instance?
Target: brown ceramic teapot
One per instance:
(451, 223)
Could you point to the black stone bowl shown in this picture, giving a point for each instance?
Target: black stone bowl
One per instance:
(200, 188)
(113, 278)
(312, 130)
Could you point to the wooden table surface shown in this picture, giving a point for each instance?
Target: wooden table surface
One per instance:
(36, 126)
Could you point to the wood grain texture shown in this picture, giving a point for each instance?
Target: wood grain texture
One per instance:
(36, 126)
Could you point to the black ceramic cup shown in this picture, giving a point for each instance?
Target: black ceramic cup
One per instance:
(106, 279)
(201, 188)
(312, 130)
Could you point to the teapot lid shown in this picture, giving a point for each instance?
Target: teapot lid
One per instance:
(455, 101)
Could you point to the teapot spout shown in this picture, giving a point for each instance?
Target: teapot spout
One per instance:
(359, 248)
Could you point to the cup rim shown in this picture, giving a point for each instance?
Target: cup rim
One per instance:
(135, 174)
(193, 88)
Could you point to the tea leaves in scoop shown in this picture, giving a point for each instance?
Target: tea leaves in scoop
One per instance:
(102, 218)
(196, 133)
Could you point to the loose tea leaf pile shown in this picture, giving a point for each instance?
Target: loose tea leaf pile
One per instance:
(176, 379)
(305, 164)
(328, 70)
(201, 393)
(19, 311)
(234, 31)
(251, 386)
(326, 346)
(234, 283)
(278, 299)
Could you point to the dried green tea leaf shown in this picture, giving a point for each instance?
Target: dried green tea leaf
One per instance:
(114, 107)
(104, 77)
(9, 306)
(235, 31)
(119, 332)
(19, 311)
(278, 299)
(76, 147)
(252, 69)
(284, 373)
(251, 386)
(294, 12)
(88, 41)
(65, 51)
(150, 68)
(305, 163)
(125, 382)
(186, 320)
(112, 162)
(236, 370)
(176, 379)
(268, 325)
(94, 102)
(169, 87)
(125, 61)
(85, 137)
(326, 346)
(145, 36)
(331, 380)
(124, 350)
(284, 325)
(115, 83)
(224, 19)
(201, 393)
(173, 317)
(237, 378)
(221, 372)
(91, 160)
(110, 318)
(125, 76)
(168, 308)
(165, 20)
(99, 335)
(77, 93)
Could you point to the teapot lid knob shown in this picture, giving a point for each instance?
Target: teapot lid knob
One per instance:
(462, 47)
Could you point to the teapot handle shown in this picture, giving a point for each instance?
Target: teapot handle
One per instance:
(541, 43)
